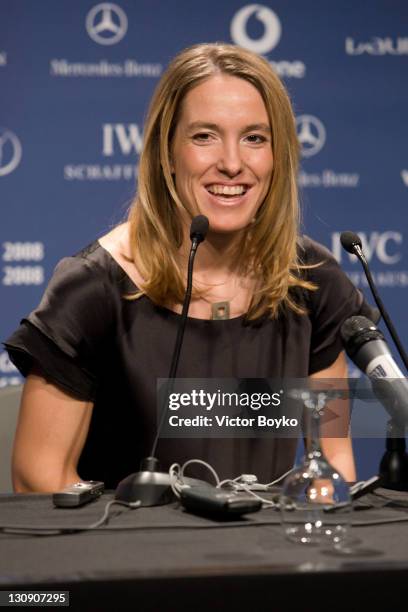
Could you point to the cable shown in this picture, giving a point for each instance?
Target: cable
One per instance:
(270, 484)
(201, 462)
(175, 478)
(48, 530)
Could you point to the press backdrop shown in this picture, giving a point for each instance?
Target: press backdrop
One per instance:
(75, 80)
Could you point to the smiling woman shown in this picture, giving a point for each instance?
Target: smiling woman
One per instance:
(219, 140)
(220, 120)
(221, 152)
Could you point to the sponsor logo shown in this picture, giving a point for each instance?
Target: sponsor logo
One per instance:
(127, 68)
(9, 375)
(311, 134)
(404, 176)
(106, 23)
(328, 178)
(6, 367)
(384, 246)
(267, 41)
(271, 26)
(10, 151)
(312, 137)
(377, 46)
(128, 137)
(117, 139)
(3, 58)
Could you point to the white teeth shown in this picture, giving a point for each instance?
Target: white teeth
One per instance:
(226, 190)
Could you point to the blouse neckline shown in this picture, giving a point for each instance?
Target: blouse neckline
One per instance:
(240, 318)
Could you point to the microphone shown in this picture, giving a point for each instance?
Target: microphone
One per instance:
(150, 486)
(367, 348)
(198, 230)
(351, 242)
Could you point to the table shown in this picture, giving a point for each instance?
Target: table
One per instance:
(164, 559)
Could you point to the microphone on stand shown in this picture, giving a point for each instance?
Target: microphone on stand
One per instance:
(150, 486)
(366, 347)
(351, 242)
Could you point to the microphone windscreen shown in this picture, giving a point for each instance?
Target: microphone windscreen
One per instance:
(356, 332)
(349, 240)
(355, 325)
(199, 228)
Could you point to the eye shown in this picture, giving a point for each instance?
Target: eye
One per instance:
(202, 137)
(256, 138)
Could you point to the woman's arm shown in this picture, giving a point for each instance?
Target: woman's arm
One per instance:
(339, 450)
(51, 432)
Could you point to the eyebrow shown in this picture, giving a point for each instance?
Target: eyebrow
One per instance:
(213, 126)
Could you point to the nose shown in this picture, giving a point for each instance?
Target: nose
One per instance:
(230, 159)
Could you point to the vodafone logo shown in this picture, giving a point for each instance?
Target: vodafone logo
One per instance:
(10, 151)
(271, 28)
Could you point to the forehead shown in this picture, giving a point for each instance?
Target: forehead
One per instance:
(223, 98)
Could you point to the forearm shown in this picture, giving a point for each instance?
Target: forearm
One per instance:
(40, 474)
(339, 453)
(51, 432)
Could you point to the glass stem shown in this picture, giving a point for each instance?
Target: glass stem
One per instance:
(313, 445)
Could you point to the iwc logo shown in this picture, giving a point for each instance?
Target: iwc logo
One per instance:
(10, 151)
(106, 23)
(271, 28)
(311, 134)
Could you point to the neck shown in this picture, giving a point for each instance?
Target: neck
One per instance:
(217, 256)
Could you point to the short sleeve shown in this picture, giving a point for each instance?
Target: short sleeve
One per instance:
(65, 336)
(335, 299)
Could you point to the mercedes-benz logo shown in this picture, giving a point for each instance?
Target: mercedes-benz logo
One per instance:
(311, 134)
(106, 23)
(10, 151)
(269, 19)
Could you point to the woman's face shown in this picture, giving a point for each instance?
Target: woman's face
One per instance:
(221, 153)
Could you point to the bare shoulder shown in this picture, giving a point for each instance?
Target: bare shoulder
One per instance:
(116, 242)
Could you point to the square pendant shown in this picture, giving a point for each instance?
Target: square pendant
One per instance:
(220, 310)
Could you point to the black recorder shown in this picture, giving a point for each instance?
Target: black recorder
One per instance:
(217, 503)
(78, 494)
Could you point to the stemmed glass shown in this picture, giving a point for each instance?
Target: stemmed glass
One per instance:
(315, 501)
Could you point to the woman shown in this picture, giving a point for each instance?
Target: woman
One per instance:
(219, 140)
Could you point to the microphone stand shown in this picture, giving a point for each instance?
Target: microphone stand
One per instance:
(394, 463)
(150, 486)
(357, 250)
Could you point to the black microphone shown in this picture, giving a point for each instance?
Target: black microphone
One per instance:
(351, 242)
(150, 486)
(367, 348)
(198, 230)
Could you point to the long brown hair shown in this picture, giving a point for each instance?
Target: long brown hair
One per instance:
(269, 250)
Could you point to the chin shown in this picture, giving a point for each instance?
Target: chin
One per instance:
(217, 227)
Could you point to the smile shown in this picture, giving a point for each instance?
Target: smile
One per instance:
(227, 190)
